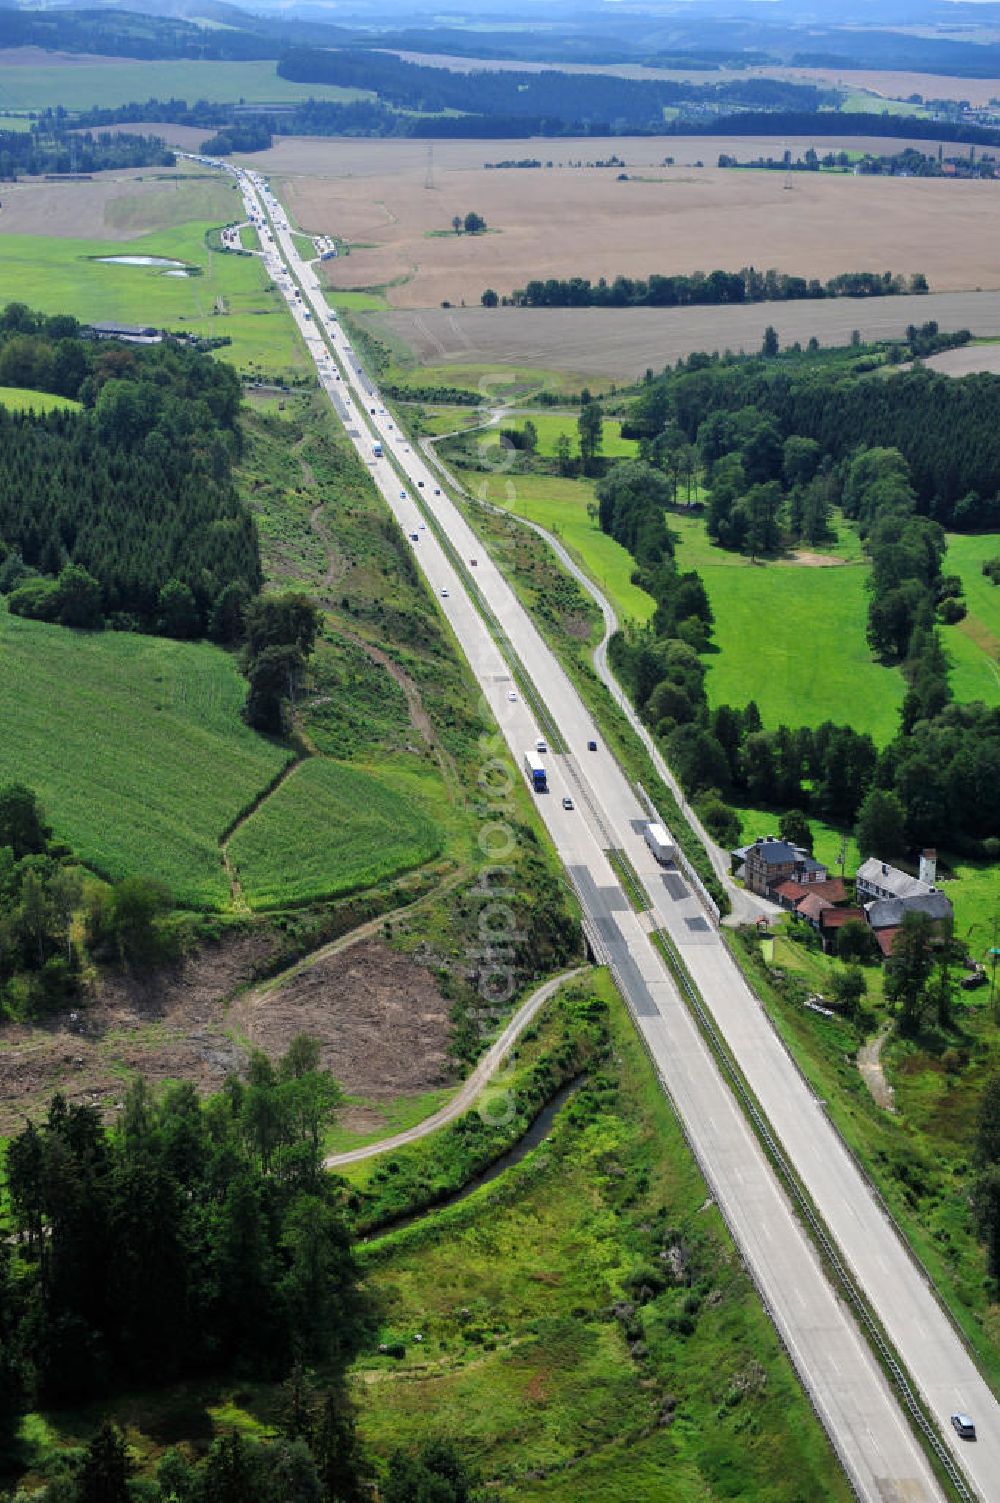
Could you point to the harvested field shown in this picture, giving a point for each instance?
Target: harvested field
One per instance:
(887, 84)
(379, 1016)
(972, 359)
(114, 206)
(623, 342)
(565, 220)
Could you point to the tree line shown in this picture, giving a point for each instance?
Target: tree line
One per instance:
(125, 512)
(906, 163)
(748, 285)
(43, 150)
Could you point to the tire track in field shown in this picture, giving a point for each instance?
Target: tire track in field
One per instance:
(240, 904)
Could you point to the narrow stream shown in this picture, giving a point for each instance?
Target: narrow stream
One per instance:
(536, 1134)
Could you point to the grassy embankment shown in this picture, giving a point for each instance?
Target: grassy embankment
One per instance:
(230, 297)
(114, 81)
(389, 694)
(588, 1329)
(919, 1154)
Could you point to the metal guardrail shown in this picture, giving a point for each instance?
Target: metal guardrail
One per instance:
(822, 1238)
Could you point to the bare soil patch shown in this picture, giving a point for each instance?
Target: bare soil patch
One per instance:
(170, 1027)
(623, 343)
(577, 220)
(809, 560)
(379, 1018)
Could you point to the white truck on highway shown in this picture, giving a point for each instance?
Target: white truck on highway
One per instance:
(659, 842)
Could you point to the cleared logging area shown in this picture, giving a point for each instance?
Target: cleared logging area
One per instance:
(624, 342)
(328, 830)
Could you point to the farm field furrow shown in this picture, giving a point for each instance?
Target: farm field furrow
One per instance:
(328, 830)
(623, 343)
(151, 762)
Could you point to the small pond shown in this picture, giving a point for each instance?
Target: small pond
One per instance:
(142, 261)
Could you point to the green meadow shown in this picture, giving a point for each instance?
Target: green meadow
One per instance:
(791, 637)
(135, 746)
(974, 644)
(22, 399)
(230, 297)
(551, 426)
(327, 830)
(114, 81)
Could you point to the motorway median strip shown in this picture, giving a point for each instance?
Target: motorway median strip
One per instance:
(940, 1457)
(628, 879)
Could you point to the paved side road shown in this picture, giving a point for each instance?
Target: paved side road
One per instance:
(472, 1087)
(863, 1419)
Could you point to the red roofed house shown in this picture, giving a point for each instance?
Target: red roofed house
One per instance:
(811, 908)
(832, 920)
(886, 939)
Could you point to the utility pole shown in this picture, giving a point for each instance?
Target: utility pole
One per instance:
(429, 174)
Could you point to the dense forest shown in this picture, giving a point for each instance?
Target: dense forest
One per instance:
(125, 509)
(842, 408)
(582, 98)
(51, 149)
(193, 1237)
(774, 470)
(748, 285)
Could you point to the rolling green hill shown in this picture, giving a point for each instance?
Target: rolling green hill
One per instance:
(136, 748)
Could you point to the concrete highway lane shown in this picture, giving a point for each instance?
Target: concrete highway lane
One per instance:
(873, 1439)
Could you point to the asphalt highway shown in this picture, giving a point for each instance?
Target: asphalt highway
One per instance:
(862, 1416)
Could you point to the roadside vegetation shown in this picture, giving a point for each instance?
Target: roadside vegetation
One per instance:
(586, 1327)
(917, 1143)
(801, 630)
